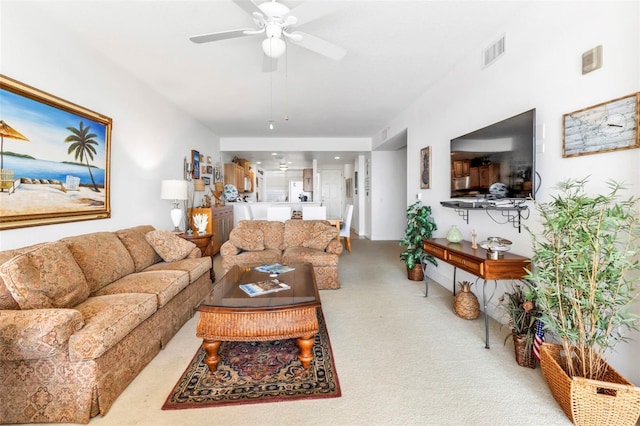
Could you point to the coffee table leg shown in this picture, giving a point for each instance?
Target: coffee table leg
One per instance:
(305, 343)
(212, 359)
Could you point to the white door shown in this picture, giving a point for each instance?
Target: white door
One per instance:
(331, 190)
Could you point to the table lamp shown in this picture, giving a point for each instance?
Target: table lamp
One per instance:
(177, 191)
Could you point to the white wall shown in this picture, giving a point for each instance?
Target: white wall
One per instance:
(388, 183)
(150, 136)
(541, 69)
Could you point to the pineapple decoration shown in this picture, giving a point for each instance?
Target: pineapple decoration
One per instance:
(465, 304)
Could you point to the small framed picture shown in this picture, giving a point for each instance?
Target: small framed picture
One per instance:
(195, 160)
(207, 180)
(209, 169)
(425, 168)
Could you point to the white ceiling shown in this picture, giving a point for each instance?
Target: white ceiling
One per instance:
(395, 51)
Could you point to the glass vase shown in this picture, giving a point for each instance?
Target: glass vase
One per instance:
(454, 235)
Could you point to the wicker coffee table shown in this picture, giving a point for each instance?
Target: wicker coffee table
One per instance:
(229, 314)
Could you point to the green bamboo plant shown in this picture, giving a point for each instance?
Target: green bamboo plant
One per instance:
(420, 225)
(584, 266)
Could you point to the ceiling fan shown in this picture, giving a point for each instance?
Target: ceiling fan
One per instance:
(276, 22)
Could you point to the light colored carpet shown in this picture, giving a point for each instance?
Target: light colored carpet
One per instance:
(402, 359)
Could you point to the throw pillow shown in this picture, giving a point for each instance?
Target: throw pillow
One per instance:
(321, 236)
(169, 246)
(47, 277)
(247, 239)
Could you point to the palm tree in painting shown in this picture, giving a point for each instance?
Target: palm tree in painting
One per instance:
(82, 144)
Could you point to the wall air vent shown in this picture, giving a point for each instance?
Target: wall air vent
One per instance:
(493, 52)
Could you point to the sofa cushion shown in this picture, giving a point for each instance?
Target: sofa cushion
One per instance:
(107, 320)
(46, 277)
(272, 231)
(101, 256)
(313, 256)
(169, 246)
(164, 284)
(139, 248)
(247, 239)
(250, 258)
(296, 232)
(320, 236)
(194, 266)
(6, 299)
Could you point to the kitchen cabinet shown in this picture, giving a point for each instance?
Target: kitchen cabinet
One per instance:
(307, 180)
(234, 174)
(221, 226)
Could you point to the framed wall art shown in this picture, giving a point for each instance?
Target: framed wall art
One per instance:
(425, 168)
(609, 126)
(195, 160)
(54, 159)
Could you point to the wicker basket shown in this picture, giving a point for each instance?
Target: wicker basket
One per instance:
(465, 304)
(524, 354)
(416, 273)
(590, 402)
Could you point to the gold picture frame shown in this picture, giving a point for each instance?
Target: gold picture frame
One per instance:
(55, 159)
(425, 168)
(605, 127)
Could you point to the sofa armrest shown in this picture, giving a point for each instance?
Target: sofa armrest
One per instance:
(334, 247)
(228, 249)
(36, 333)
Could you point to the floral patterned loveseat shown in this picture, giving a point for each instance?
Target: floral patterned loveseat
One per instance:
(82, 316)
(255, 242)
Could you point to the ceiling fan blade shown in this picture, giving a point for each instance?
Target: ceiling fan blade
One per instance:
(248, 6)
(319, 45)
(312, 10)
(223, 35)
(269, 64)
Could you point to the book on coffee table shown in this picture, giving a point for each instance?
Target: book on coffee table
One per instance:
(274, 268)
(263, 287)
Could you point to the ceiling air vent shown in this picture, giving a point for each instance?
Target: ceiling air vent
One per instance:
(493, 52)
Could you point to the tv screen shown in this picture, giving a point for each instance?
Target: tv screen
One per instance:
(497, 161)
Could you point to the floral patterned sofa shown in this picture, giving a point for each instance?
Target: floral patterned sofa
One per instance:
(82, 316)
(255, 242)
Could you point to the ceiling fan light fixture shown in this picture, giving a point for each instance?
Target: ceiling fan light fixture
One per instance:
(274, 47)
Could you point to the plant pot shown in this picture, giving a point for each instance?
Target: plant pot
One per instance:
(524, 354)
(416, 273)
(590, 402)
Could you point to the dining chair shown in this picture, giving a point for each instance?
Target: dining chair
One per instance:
(248, 215)
(279, 213)
(345, 230)
(314, 212)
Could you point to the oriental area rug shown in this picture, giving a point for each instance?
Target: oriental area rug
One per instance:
(258, 372)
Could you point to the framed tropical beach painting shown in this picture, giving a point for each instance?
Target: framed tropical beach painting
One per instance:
(54, 159)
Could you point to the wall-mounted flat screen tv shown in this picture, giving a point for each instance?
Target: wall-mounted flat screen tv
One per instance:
(497, 161)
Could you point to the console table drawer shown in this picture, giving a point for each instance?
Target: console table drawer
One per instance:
(435, 251)
(465, 263)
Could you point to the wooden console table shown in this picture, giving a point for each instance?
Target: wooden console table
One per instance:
(475, 261)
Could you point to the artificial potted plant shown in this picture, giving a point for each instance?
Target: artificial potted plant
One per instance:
(420, 225)
(519, 307)
(584, 265)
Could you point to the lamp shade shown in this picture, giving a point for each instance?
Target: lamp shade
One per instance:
(174, 190)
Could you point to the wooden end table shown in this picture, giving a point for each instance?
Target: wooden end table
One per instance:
(229, 314)
(203, 242)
